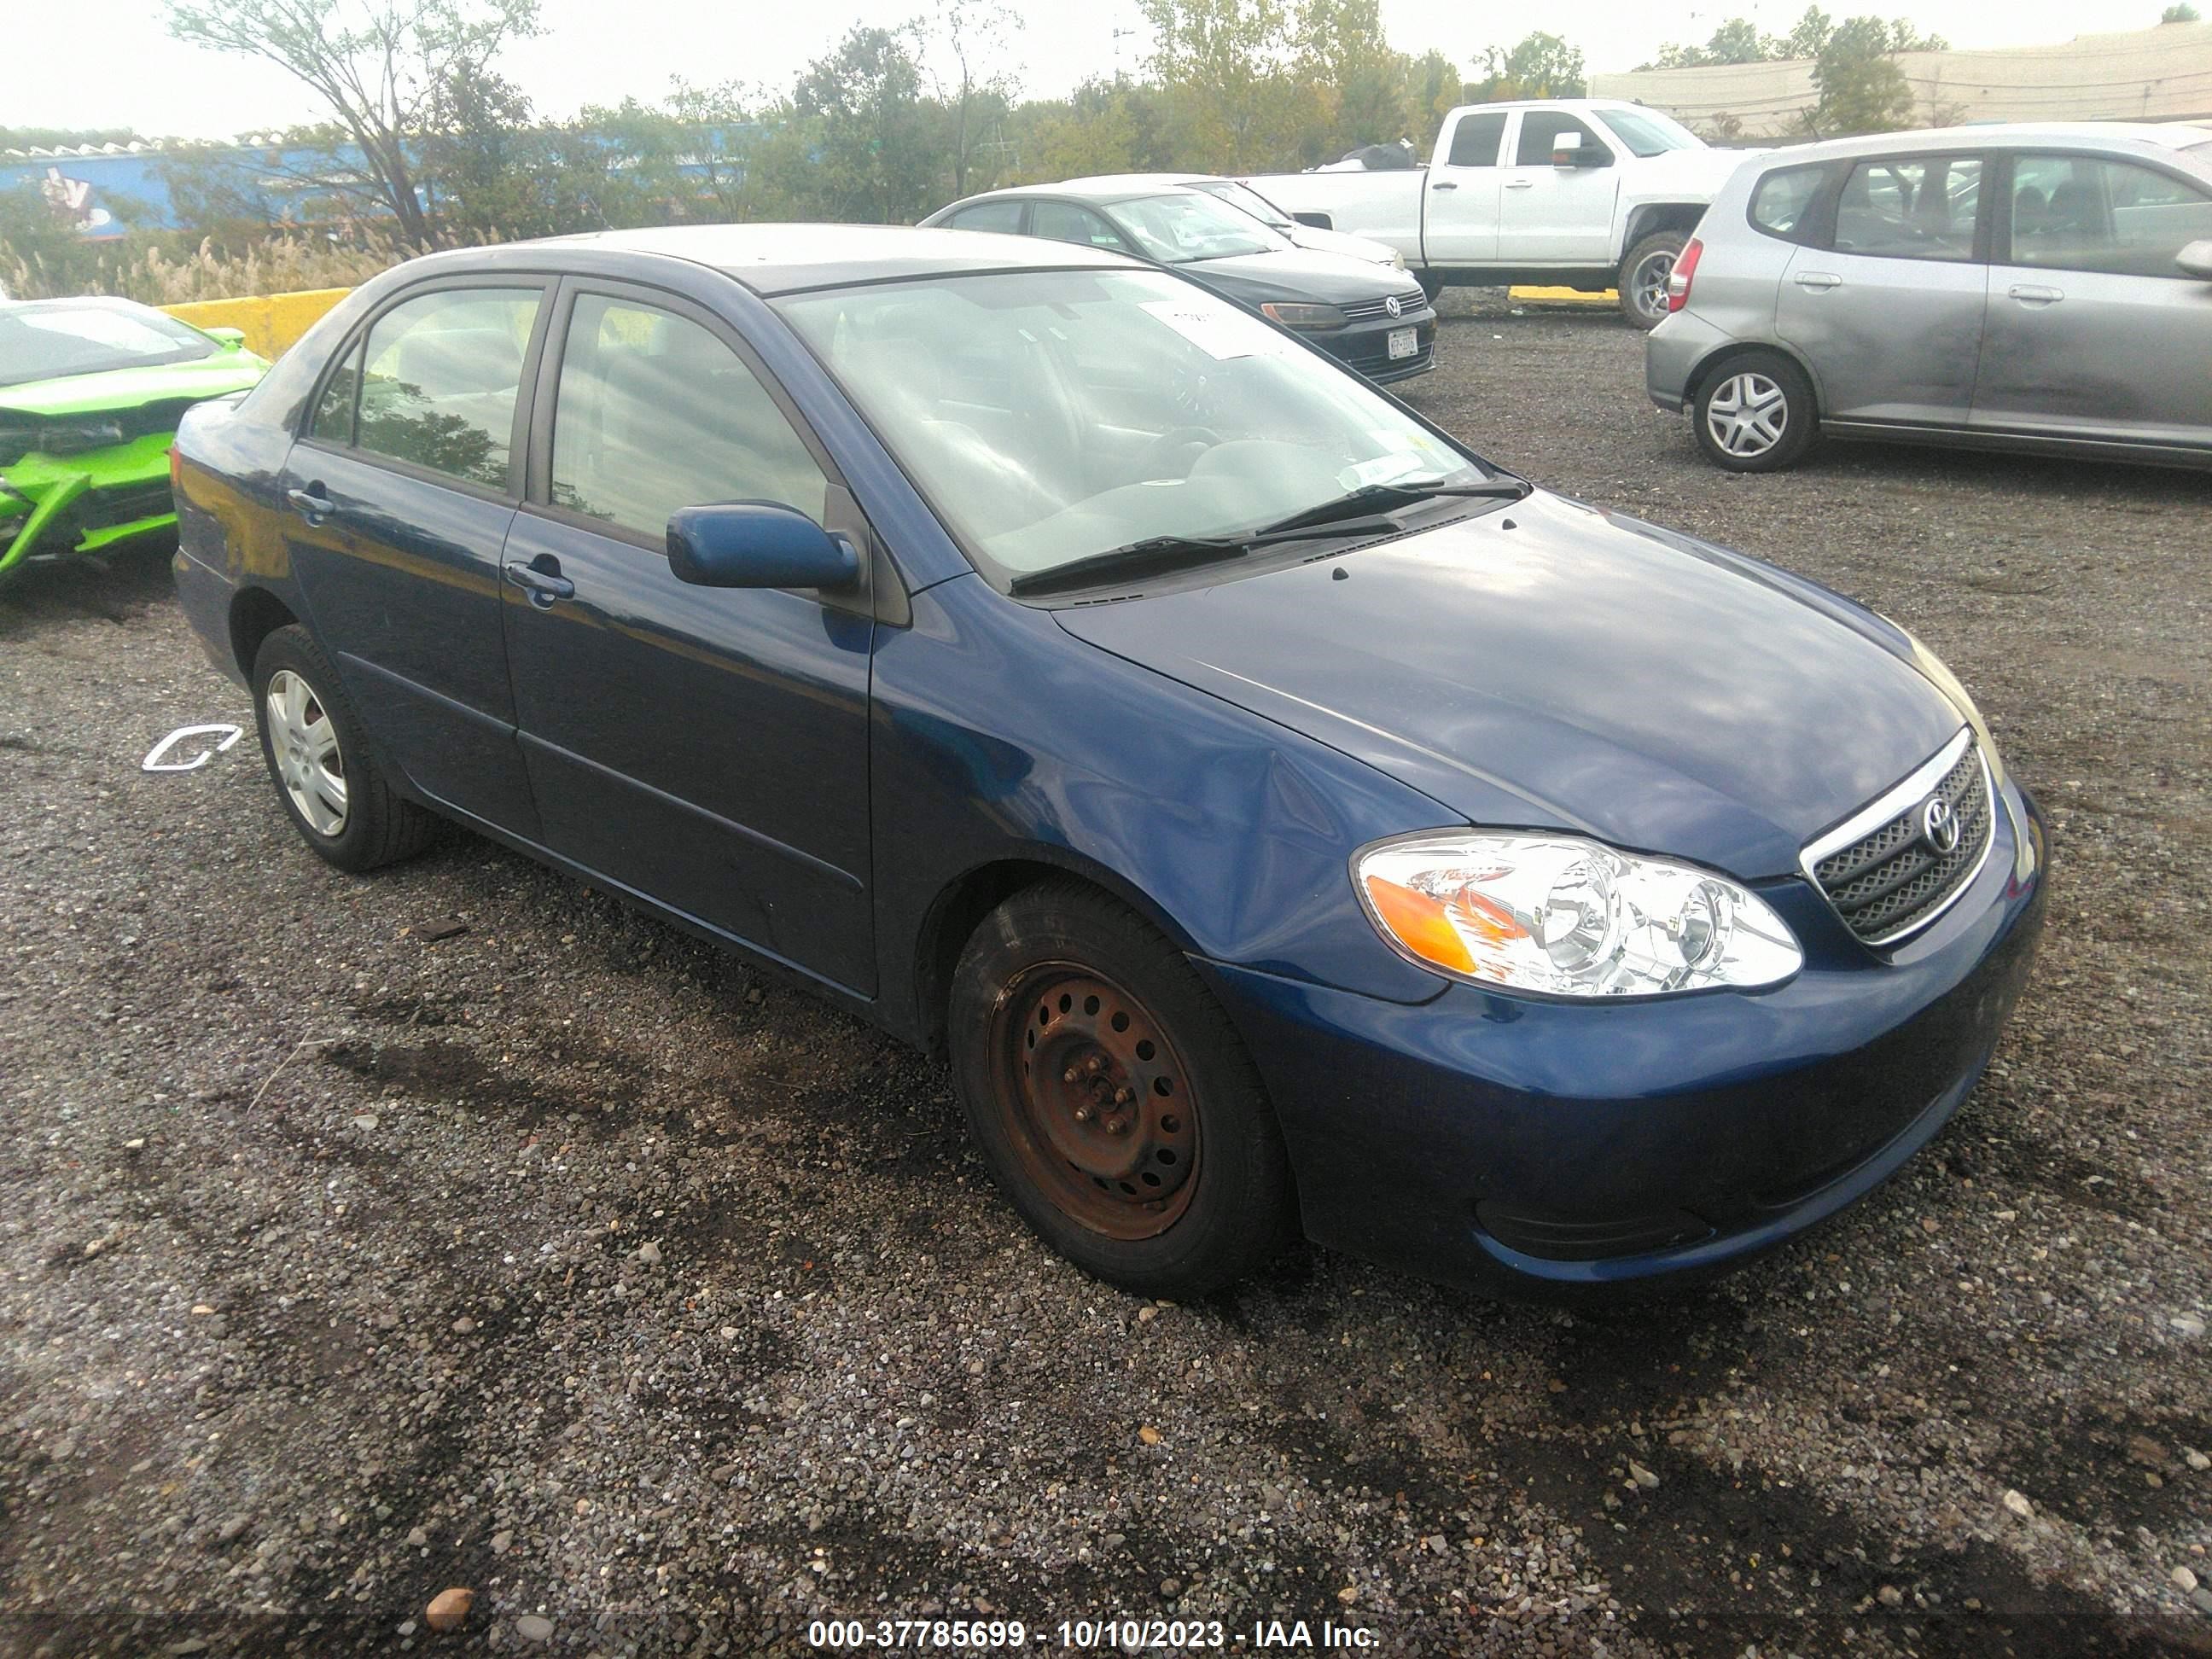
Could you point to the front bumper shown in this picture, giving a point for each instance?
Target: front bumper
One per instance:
(1517, 1142)
(1365, 346)
(57, 505)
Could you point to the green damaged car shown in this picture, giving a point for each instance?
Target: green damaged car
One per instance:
(91, 391)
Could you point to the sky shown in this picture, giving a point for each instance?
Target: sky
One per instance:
(115, 66)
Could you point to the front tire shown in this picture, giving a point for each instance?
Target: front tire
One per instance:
(318, 755)
(1642, 283)
(1755, 413)
(1112, 1099)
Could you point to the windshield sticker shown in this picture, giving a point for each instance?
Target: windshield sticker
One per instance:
(1219, 331)
(1386, 468)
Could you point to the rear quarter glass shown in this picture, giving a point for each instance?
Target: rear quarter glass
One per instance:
(1780, 201)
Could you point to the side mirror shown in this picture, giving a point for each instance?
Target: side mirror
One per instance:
(756, 545)
(2196, 259)
(232, 338)
(1567, 149)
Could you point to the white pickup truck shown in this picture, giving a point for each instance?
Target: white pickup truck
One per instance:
(1582, 192)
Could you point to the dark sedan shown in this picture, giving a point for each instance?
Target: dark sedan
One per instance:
(1284, 819)
(1370, 317)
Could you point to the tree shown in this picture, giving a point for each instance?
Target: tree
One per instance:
(1361, 84)
(1436, 86)
(1225, 69)
(1540, 66)
(376, 65)
(863, 106)
(2181, 12)
(970, 38)
(1862, 88)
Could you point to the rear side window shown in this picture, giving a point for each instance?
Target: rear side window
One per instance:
(1781, 202)
(2086, 213)
(1911, 207)
(1005, 216)
(1475, 140)
(655, 413)
(1539, 127)
(441, 374)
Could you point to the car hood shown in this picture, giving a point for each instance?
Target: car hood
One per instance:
(1683, 175)
(127, 388)
(1297, 274)
(1549, 665)
(1344, 244)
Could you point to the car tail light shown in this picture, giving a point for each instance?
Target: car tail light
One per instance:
(176, 468)
(1686, 268)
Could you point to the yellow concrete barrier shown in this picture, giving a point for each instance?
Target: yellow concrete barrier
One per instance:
(272, 322)
(1573, 296)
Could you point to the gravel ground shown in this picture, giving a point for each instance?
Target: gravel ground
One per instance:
(568, 1260)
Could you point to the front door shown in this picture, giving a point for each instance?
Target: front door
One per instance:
(399, 496)
(1556, 215)
(1889, 314)
(2093, 330)
(705, 747)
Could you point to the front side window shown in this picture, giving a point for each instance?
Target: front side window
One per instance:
(1781, 201)
(334, 410)
(1539, 127)
(654, 412)
(1475, 140)
(1049, 415)
(2086, 213)
(1186, 227)
(1064, 221)
(441, 374)
(1004, 216)
(1919, 207)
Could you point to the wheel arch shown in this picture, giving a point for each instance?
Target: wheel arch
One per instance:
(1649, 217)
(255, 614)
(959, 909)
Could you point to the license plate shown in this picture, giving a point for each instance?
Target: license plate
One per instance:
(1405, 343)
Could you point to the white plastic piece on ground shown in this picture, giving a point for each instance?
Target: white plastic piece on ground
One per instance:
(155, 763)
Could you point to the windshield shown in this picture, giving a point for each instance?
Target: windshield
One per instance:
(1049, 416)
(1647, 132)
(1248, 199)
(45, 340)
(1178, 229)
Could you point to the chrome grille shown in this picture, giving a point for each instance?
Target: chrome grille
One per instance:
(1884, 870)
(1360, 311)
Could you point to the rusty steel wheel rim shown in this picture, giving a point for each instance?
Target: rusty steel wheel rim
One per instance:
(1096, 1101)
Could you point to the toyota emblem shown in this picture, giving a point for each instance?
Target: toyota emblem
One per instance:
(1394, 306)
(1939, 825)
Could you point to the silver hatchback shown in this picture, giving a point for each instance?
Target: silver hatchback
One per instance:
(2023, 287)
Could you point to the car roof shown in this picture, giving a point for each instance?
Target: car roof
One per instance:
(2143, 137)
(782, 259)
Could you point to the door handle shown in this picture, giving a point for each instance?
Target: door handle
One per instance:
(1817, 279)
(1520, 184)
(2034, 294)
(544, 586)
(311, 503)
(1446, 185)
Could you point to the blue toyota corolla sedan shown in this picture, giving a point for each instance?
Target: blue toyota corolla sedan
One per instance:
(1281, 817)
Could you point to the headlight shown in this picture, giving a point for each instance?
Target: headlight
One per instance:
(76, 437)
(1397, 260)
(1569, 917)
(1303, 316)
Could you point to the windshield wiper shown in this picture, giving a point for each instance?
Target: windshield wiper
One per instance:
(1363, 501)
(1158, 554)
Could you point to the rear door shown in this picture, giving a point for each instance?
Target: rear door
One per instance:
(399, 495)
(1459, 212)
(1889, 313)
(706, 747)
(1555, 215)
(2092, 331)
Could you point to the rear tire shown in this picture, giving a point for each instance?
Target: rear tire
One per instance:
(318, 755)
(1642, 283)
(1112, 1099)
(1755, 413)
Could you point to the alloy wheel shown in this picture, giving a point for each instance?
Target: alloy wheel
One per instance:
(1648, 284)
(1748, 413)
(304, 744)
(1096, 1101)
